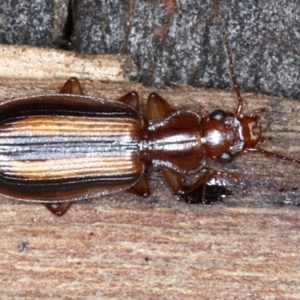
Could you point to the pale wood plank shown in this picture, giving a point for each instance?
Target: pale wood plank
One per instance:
(124, 247)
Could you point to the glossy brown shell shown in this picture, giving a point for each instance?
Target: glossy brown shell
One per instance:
(61, 146)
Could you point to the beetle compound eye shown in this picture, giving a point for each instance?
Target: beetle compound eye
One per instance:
(218, 114)
(226, 158)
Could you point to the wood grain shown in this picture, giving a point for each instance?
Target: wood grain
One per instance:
(124, 247)
(32, 62)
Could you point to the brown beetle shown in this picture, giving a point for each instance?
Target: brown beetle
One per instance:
(64, 147)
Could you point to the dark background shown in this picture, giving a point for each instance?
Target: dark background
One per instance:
(171, 41)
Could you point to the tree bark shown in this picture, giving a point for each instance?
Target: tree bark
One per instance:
(171, 41)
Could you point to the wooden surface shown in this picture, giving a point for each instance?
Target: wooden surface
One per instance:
(31, 62)
(124, 247)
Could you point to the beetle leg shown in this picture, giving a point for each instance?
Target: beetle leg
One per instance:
(141, 188)
(157, 107)
(131, 99)
(258, 111)
(72, 86)
(59, 209)
(175, 181)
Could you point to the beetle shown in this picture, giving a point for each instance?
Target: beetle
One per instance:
(61, 148)
(64, 146)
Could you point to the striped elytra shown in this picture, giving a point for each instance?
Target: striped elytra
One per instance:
(58, 146)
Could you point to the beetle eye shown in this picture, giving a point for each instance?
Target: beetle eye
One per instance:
(218, 114)
(226, 158)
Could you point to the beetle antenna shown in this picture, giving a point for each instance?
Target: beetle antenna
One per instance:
(269, 153)
(229, 54)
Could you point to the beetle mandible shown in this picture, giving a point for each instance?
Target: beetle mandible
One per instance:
(61, 148)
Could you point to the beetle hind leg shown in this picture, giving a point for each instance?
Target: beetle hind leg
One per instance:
(72, 86)
(141, 188)
(131, 99)
(59, 209)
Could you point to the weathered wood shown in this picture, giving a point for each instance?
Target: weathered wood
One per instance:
(124, 247)
(25, 62)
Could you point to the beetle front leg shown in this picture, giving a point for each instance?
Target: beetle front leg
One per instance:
(175, 181)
